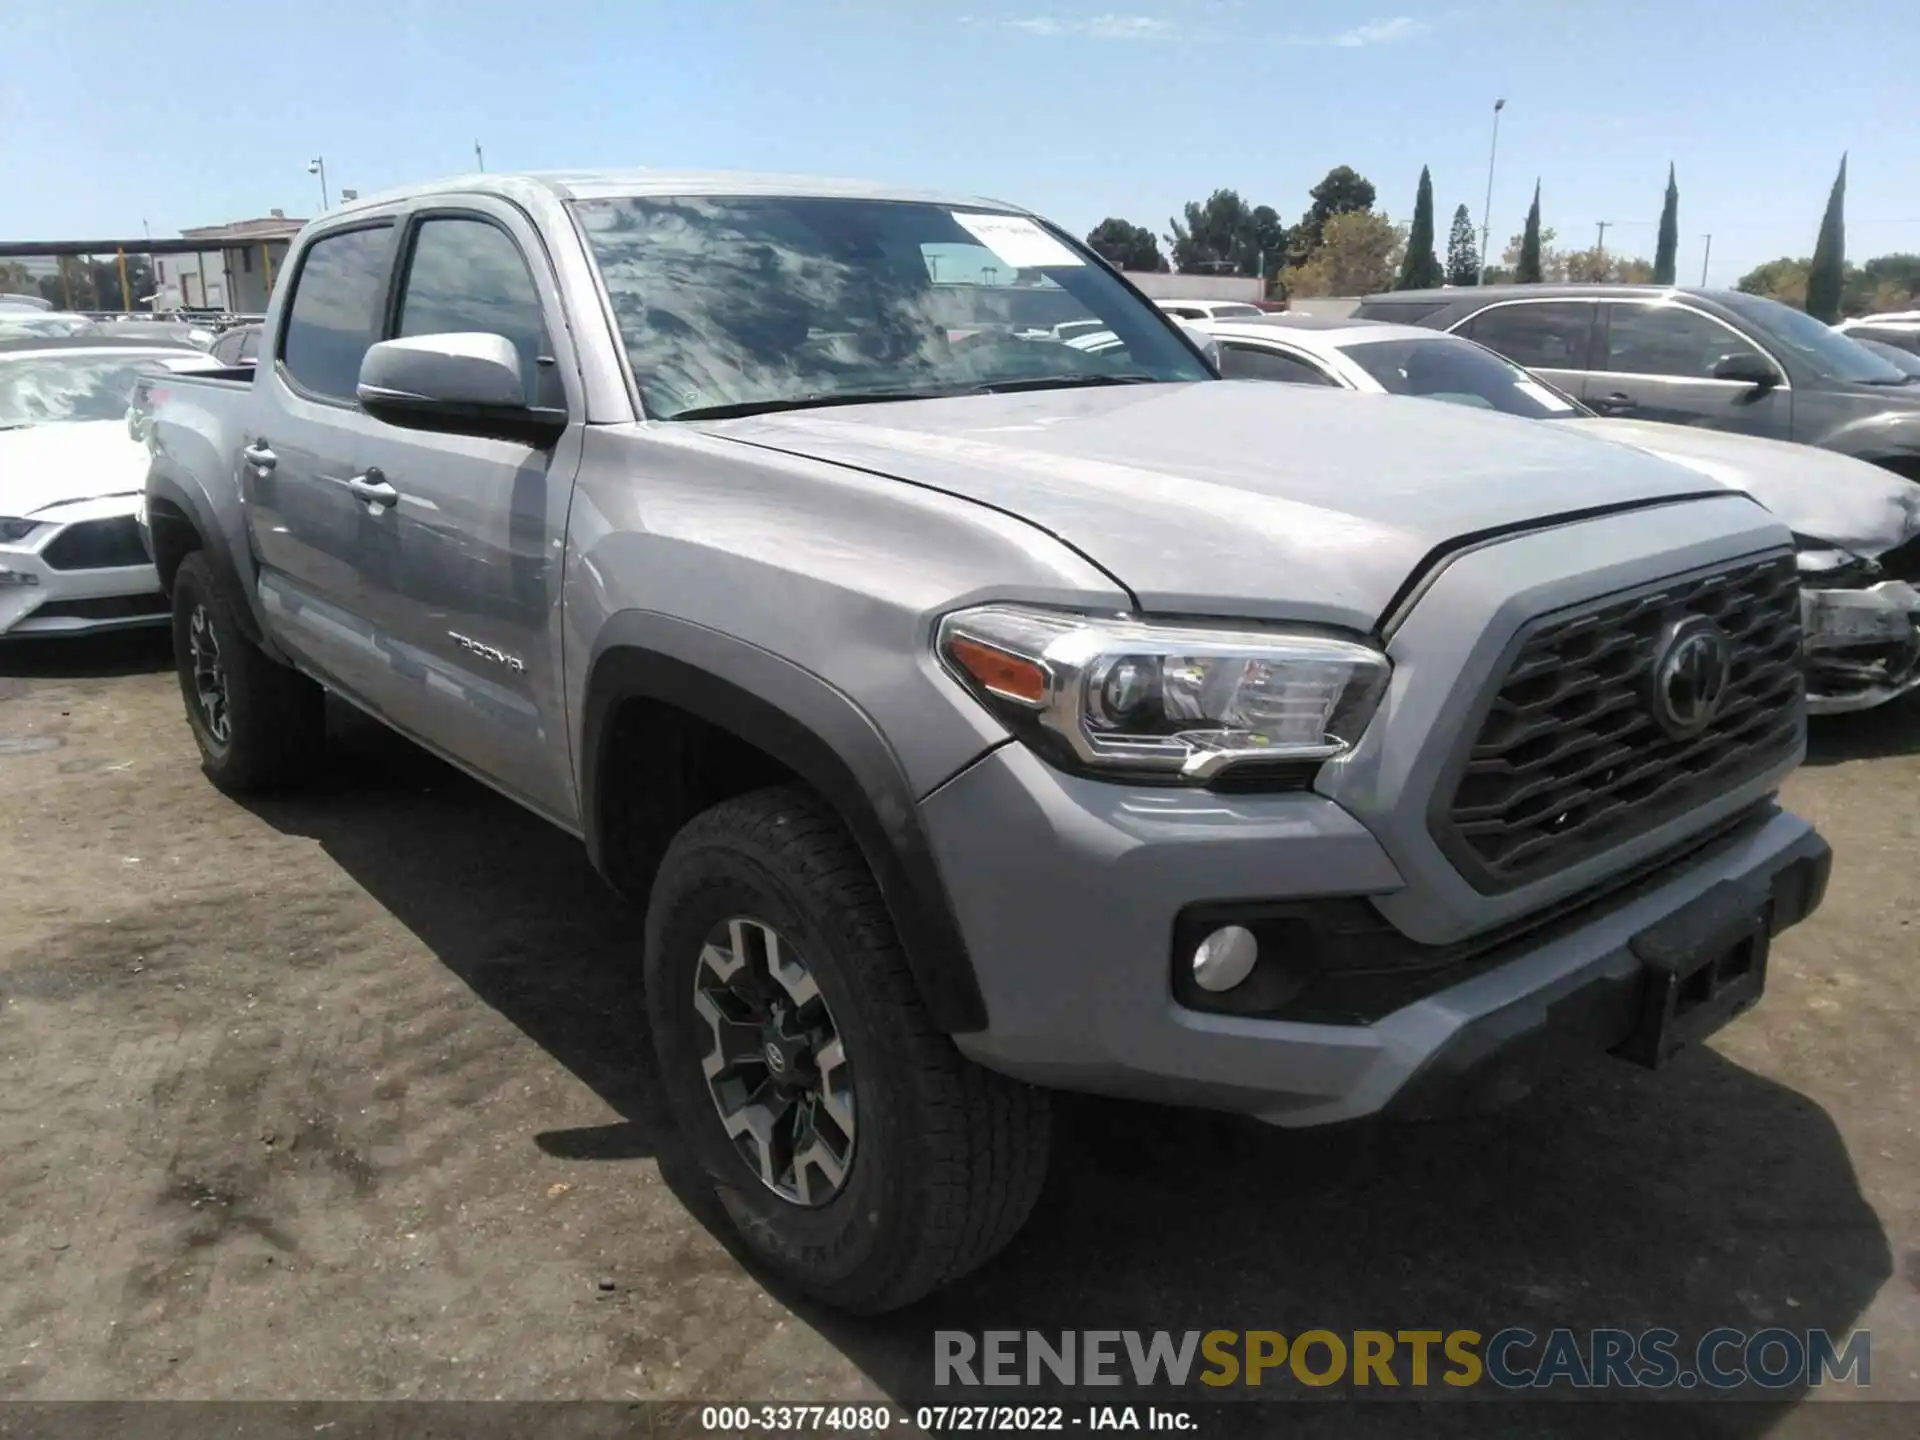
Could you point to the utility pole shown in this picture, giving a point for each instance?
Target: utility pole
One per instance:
(1703, 260)
(479, 160)
(1600, 246)
(1486, 213)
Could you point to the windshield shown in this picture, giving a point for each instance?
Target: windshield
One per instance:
(19, 324)
(1461, 372)
(54, 389)
(728, 304)
(1819, 346)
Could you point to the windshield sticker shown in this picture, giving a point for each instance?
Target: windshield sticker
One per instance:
(1017, 241)
(1541, 395)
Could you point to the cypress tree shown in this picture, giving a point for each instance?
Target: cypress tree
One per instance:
(1420, 270)
(1529, 270)
(1666, 253)
(1825, 275)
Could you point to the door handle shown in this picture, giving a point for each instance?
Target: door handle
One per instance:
(259, 456)
(373, 488)
(1618, 400)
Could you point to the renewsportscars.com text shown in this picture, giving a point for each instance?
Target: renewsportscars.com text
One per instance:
(1513, 1358)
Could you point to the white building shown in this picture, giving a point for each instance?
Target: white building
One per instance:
(235, 272)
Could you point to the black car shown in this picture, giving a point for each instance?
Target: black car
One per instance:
(1717, 358)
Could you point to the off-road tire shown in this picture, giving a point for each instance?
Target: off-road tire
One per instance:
(949, 1157)
(276, 717)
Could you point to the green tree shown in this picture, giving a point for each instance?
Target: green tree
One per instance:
(1601, 267)
(1666, 252)
(1227, 236)
(1784, 280)
(1826, 276)
(1419, 270)
(1126, 245)
(1886, 282)
(1528, 270)
(1463, 255)
(1358, 254)
(1343, 191)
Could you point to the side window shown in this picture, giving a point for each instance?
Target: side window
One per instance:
(331, 321)
(227, 349)
(1256, 362)
(1184, 312)
(249, 344)
(1667, 340)
(467, 275)
(1548, 336)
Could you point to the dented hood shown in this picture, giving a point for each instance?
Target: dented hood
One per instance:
(1818, 493)
(1237, 497)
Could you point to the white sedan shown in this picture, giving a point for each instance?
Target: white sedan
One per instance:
(71, 479)
(1858, 526)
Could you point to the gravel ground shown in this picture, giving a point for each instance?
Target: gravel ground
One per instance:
(344, 1096)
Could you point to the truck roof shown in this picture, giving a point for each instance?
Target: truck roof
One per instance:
(611, 184)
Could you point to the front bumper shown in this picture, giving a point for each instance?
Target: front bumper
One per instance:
(1068, 890)
(43, 592)
(1863, 646)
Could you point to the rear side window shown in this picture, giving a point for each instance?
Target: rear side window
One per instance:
(1253, 362)
(1550, 336)
(332, 320)
(466, 275)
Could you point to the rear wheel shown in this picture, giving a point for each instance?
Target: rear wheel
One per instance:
(258, 724)
(858, 1153)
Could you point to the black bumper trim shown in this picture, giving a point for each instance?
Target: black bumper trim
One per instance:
(1502, 1054)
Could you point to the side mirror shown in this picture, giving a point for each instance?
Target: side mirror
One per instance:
(1746, 368)
(463, 384)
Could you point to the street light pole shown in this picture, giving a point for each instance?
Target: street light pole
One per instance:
(1486, 213)
(1703, 260)
(318, 166)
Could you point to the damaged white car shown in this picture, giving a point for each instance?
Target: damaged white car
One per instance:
(1858, 525)
(71, 483)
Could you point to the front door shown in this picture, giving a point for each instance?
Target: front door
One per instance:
(1657, 363)
(470, 603)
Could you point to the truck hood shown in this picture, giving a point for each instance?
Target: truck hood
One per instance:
(1234, 497)
(1819, 494)
(47, 465)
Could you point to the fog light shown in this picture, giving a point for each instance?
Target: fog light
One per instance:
(1225, 958)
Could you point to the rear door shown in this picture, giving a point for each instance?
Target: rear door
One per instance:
(468, 609)
(322, 553)
(1657, 363)
(1554, 338)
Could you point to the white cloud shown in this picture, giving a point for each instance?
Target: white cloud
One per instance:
(1097, 27)
(1381, 32)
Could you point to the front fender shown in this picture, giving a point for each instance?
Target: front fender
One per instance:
(1888, 437)
(817, 732)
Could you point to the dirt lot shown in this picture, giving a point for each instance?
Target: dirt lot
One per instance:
(344, 1096)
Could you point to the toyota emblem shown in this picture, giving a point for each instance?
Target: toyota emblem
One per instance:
(1692, 667)
(776, 1062)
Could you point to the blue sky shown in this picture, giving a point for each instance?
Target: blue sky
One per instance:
(192, 112)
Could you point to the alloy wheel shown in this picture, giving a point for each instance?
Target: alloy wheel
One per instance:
(209, 677)
(775, 1063)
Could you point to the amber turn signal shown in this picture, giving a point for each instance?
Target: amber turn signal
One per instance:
(1011, 677)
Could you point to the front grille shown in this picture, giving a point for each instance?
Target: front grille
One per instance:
(1568, 760)
(105, 607)
(97, 545)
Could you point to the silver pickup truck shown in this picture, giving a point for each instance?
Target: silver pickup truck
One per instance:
(972, 715)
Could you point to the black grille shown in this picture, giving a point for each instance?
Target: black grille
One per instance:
(106, 607)
(96, 545)
(1568, 760)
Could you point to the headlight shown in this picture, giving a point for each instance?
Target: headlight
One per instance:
(1176, 701)
(17, 529)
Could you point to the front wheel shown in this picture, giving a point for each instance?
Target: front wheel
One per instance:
(257, 723)
(858, 1153)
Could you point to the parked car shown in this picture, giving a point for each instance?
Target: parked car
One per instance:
(165, 331)
(978, 720)
(1900, 329)
(22, 323)
(1208, 309)
(71, 558)
(237, 346)
(1717, 358)
(1907, 362)
(1857, 527)
(24, 302)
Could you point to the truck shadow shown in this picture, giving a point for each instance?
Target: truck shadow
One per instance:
(145, 651)
(1699, 1197)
